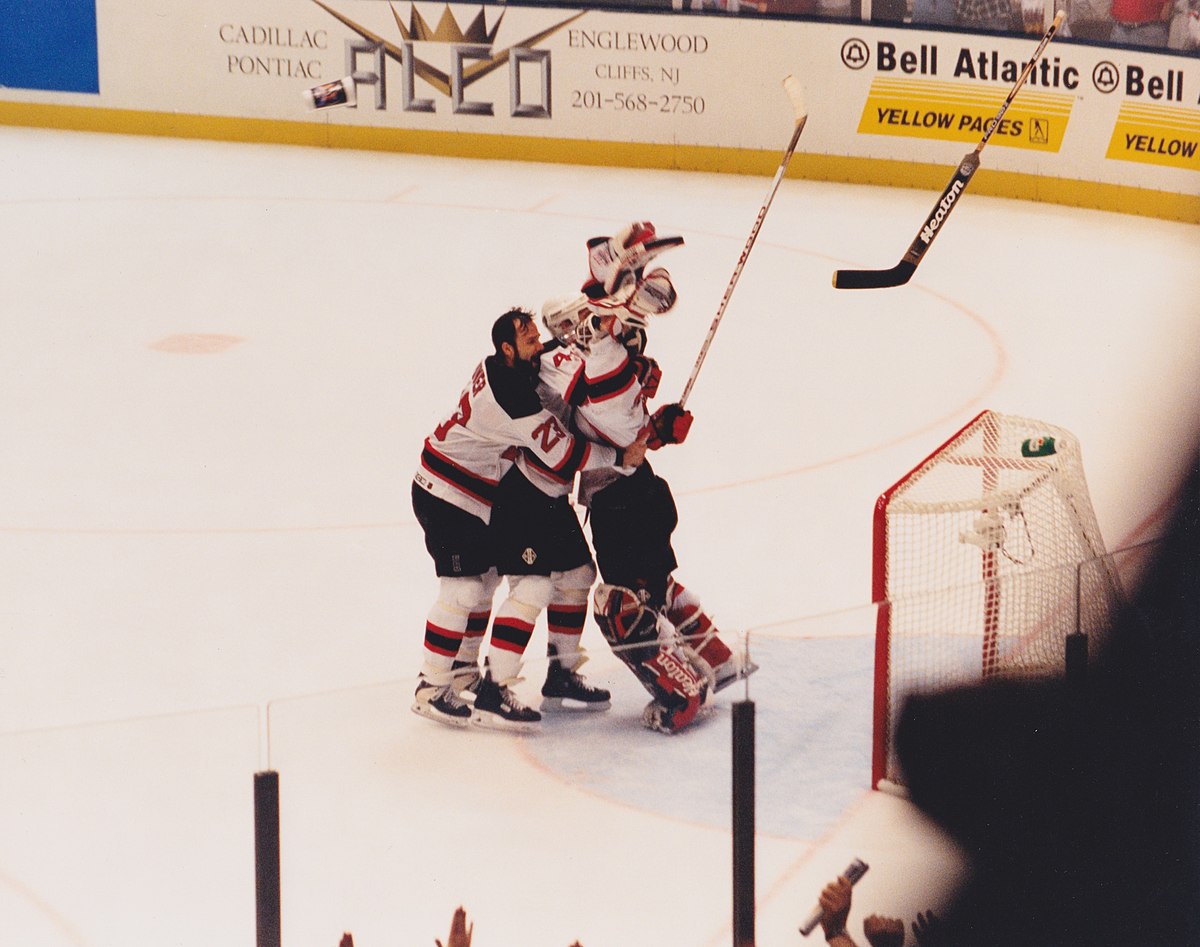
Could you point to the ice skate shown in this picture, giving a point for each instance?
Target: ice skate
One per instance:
(497, 708)
(466, 677)
(735, 668)
(567, 690)
(440, 702)
(711, 655)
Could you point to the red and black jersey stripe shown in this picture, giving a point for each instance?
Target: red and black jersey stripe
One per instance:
(479, 488)
(611, 384)
(577, 391)
(565, 471)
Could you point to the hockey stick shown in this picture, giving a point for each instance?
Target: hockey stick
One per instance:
(902, 272)
(796, 97)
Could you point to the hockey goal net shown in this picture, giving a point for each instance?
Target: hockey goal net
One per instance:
(987, 555)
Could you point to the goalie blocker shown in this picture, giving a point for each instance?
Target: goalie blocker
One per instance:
(631, 629)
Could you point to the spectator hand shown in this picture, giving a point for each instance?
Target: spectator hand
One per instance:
(835, 905)
(928, 930)
(460, 933)
(884, 931)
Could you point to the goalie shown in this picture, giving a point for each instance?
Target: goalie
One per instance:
(596, 375)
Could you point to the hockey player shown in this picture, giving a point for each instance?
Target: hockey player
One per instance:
(632, 512)
(462, 466)
(600, 392)
(541, 550)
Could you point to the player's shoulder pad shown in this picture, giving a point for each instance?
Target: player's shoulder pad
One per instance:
(514, 391)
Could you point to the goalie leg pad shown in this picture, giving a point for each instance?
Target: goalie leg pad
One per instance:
(629, 627)
(632, 630)
(679, 691)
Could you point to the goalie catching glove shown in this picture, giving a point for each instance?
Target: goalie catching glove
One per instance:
(669, 425)
(619, 281)
(615, 262)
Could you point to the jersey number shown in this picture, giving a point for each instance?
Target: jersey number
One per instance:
(461, 416)
(549, 433)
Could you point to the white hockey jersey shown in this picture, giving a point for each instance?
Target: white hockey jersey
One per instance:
(597, 394)
(613, 410)
(499, 417)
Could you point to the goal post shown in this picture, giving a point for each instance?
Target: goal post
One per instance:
(986, 556)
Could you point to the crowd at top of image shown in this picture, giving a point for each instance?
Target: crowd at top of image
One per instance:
(1144, 24)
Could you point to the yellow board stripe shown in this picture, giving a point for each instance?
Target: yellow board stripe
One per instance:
(946, 91)
(1160, 114)
(844, 169)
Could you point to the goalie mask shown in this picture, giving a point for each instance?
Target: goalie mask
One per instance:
(570, 319)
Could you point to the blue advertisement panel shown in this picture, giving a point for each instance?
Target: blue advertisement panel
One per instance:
(49, 46)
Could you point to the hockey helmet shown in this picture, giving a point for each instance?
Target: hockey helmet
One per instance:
(570, 319)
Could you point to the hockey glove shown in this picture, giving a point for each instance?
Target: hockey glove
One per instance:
(634, 341)
(669, 425)
(648, 373)
(616, 262)
(611, 260)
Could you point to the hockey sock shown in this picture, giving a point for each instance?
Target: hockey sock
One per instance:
(511, 632)
(565, 619)
(460, 603)
(513, 625)
(477, 623)
(694, 626)
(444, 629)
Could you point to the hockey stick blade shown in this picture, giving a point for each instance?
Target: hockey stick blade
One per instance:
(898, 275)
(902, 272)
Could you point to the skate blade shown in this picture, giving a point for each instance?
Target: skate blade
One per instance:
(568, 705)
(734, 678)
(483, 720)
(421, 710)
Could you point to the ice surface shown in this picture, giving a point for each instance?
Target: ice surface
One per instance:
(219, 362)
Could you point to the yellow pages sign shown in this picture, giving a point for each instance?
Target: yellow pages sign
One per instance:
(1156, 134)
(950, 111)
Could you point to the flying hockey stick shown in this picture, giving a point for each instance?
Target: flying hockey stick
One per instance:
(902, 272)
(796, 97)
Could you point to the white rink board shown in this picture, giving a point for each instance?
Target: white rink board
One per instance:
(1089, 114)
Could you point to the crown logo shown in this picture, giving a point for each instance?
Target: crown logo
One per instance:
(447, 29)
